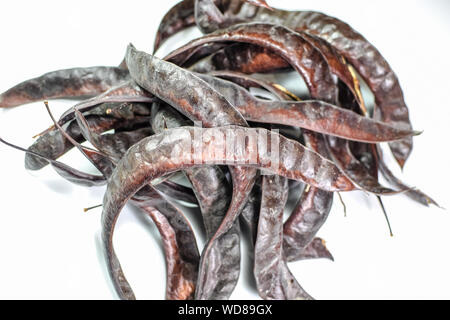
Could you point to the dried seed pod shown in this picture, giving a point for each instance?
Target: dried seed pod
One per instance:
(273, 278)
(127, 92)
(313, 115)
(178, 18)
(152, 157)
(310, 212)
(359, 52)
(67, 83)
(198, 101)
(300, 54)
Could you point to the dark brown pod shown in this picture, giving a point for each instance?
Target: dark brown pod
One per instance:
(67, 83)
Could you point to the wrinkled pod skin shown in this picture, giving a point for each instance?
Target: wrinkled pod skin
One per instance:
(181, 253)
(274, 281)
(105, 117)
(127, 92)
(360, 53)
(310, 212)
(301, 55)
(67, 83)
(152, 157)
(198, 101)
(316, 116)
(178, 18)
(214, 196)
(240, 98)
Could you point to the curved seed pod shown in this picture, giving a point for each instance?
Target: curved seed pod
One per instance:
(360, 53)
(250, 213)
(316, 248)
(372, 67)
(289, 45)
(311, 211)
(121, 142)
(209, 183)
(355, 170)
(179, 243)
(248, 82)
(244, 58)
(104, 117)
(214, 195)
(181, 252)
(171, 151)
(255, 59)
(313, 115)
(413, 193)
(68, 83)
(178, 18)
(68, 173)
(274, 281)
(53, 144)
(126, 92)
(198, 101)
(308, 217)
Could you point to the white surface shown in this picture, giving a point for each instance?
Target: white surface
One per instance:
(48, 246)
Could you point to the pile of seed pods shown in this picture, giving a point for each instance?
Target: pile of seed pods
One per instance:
(243, 151)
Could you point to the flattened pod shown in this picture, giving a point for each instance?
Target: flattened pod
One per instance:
(355, 170)
(273, 278)
(127, 92)
(178, 18)
(171, 151)
(68, 83)
(300, 54)
(209, 183)
(244, 58)
(198, 101)
(316, 116)
(360, 53)
(310, 213)
(68, 173)
(214, 196)
(413, 193)
(53, 144)
(181, 252)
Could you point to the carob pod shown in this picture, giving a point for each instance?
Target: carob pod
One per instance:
(154, 156)
(314, 115)
(274, 281)
(104, 117)
(198, 101)
(214, 196)
(181, 253)
(67, 83)
(178, 18)
(359, 52)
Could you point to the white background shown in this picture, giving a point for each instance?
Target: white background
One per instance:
(49, 247)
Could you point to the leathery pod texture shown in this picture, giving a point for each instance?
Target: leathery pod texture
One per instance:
(196, 113)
